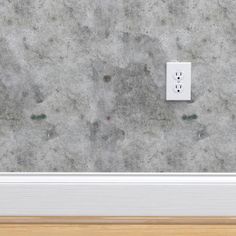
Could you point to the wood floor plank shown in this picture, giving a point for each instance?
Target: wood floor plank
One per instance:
(118, 220)
(115, 230)
(117, 226)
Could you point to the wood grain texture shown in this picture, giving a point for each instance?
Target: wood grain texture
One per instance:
(116, 230)
(119, 220)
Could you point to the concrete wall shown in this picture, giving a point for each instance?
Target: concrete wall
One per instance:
(82, 85)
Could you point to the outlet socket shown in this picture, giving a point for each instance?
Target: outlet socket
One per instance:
(178, 88)
(178, 81)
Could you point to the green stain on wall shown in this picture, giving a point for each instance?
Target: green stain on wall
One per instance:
(190, 117)
(38, 117)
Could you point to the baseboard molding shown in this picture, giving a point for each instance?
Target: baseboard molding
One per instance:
(118, 194)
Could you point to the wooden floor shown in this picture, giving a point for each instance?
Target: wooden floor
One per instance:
(104, 226)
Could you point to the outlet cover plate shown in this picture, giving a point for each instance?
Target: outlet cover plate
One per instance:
(178, 81)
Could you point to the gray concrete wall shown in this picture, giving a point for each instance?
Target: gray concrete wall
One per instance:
(82, 85)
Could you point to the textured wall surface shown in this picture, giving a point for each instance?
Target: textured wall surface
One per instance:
(82, 85)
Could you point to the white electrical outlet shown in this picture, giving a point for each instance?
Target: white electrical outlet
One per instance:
(178, 81)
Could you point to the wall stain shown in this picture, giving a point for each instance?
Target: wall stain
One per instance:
(146, 70)
(202, 133)
(38, 95)
(94, 129)
(38, 117)
(51, 133)
(107, 78)
(189, 117)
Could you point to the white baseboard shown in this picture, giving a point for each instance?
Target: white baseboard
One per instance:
(117, 194)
